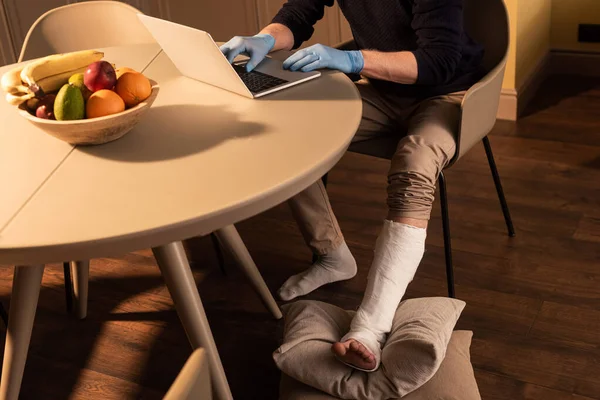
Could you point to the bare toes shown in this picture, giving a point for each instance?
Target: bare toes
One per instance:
(362, 349)
(354, 353)
(339, 349)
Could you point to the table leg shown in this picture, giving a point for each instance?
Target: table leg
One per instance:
(3, 315)
(174, 266)
(231, 240)
(68, 286)
(80, 271)
(27, 281)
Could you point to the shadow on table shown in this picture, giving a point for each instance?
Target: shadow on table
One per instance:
(170, 132)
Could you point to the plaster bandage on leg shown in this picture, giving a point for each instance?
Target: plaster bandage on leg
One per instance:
(398, 252)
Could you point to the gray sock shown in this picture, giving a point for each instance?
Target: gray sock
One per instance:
(337, 265)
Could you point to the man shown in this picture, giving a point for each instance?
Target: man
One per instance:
(415, 61)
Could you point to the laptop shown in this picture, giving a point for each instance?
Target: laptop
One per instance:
(197, 56)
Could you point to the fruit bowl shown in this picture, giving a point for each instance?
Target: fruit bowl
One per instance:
(94, 131)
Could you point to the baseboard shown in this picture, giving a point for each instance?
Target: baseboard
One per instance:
(564, 62)
(514, 101)
(557, 62)
(507, 108)
(529, 88)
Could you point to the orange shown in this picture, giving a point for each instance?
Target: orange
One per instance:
(133, 88)
(104, 102)
(122, 70)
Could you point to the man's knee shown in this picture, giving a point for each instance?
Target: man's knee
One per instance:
(413, 174)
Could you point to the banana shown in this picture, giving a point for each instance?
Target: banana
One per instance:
(45, 75)
(18, 99)
(55, 82)
(11, 81)
(57, 64)
(18, 89)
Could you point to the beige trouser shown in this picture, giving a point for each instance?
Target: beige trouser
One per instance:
(427, 143)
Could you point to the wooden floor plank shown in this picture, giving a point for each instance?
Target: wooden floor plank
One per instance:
(568, 323)
(588, 229)
(555, 365)
(498, 387)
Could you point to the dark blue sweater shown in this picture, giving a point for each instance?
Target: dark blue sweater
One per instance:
(448, 60)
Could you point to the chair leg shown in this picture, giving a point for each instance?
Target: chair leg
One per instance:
(80, 270)
(27, 281)
(3, 315)
(231, 240)
(174, 266)
(68, 287)
(219, 253)
(496, 176)
(447, 237)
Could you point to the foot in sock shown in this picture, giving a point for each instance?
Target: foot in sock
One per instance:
(355, 354)
(337, 265)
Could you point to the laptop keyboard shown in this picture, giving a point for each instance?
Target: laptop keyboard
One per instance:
(257, 81)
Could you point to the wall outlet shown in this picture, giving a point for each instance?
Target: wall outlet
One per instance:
(589, 33)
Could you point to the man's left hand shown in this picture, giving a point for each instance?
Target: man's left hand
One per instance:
(319, 56)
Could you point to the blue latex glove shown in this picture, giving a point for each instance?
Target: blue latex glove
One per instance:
(319, 56)
(257, 47)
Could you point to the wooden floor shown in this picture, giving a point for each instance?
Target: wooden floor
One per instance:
(533, 301)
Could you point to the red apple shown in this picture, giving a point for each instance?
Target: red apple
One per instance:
(100, 75)
(45, 108)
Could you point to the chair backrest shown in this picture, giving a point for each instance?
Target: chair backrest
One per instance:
(486, 21)
(193, 382)
(82, 26)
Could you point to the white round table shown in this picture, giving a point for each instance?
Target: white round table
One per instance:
(201, 160)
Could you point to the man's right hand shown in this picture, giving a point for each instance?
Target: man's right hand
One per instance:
(257, 47)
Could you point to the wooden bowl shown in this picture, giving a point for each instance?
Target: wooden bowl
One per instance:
(94, 130)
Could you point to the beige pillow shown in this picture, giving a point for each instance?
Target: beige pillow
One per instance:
(454, 380)
(412, 354)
